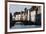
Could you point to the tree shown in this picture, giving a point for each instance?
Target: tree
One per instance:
(26, 9)
(10, 16)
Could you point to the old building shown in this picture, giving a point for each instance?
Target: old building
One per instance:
(31, 15)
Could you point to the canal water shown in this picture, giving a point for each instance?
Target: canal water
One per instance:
(19, 25)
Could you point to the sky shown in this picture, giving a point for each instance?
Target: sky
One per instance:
(18, 8)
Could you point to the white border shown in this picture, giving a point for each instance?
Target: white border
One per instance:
(29, 29)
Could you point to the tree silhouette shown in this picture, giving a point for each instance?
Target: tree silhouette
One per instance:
(26, 9)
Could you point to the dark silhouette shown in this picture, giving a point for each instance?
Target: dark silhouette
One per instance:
(26, 10)
(38, 19)
(11, 22)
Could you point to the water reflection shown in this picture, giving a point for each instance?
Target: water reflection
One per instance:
(20, 25)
